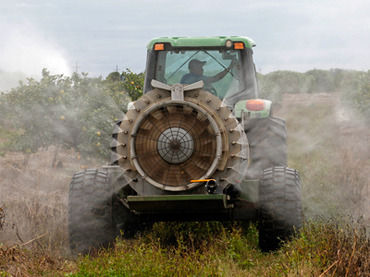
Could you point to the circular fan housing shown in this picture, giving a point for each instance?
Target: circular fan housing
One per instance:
(167, 142)
(174, 143)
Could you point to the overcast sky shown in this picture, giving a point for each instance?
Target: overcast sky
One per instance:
(97, 35)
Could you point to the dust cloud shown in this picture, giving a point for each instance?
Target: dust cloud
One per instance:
(24, 52)
(328, 142)
(34, 186)
(32, 193)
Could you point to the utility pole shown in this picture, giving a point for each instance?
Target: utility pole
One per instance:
(76, 67)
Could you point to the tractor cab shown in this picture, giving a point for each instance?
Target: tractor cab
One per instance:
(224, 64)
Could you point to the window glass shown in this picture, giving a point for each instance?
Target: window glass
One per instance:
(237, 84)
(172, 66)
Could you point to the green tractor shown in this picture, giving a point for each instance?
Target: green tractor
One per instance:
(198, 145)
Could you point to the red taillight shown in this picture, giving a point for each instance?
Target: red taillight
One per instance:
(255, 105)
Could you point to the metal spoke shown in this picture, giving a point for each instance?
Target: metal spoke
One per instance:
(192, 127)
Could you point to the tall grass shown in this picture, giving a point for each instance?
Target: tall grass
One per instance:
(34, 199)
(320, 248)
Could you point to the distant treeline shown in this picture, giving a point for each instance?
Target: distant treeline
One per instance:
(313, 81)
(353, 85)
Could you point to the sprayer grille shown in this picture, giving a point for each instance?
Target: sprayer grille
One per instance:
(175, 145)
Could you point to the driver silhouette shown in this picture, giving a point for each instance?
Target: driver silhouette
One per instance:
(196, 74)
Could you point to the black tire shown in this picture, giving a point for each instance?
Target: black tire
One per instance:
(267, 144)
(90, 211)
(280, 210)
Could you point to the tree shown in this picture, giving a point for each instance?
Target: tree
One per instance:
(74, 112)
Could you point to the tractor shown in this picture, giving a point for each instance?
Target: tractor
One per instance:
(198, 145)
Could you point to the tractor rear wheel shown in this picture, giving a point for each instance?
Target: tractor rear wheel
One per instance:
(267, 144)
(90, 211)
(280, 210)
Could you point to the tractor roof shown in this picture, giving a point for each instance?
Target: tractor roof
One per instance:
(201, 41)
